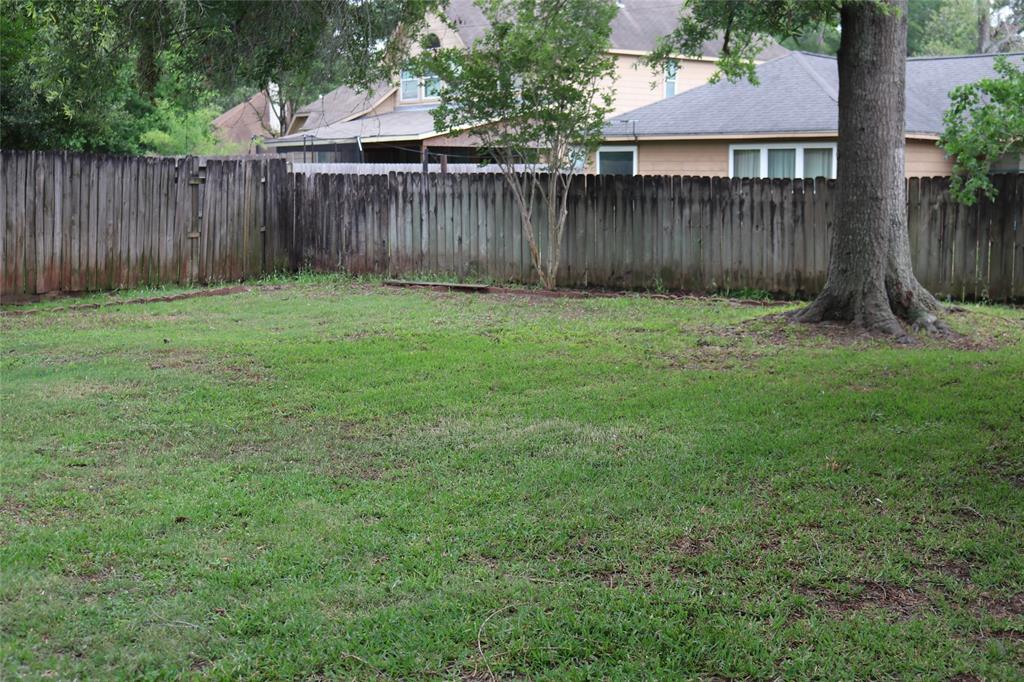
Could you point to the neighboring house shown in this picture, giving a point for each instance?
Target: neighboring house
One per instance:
(247, 122)
(783, 128)
(393, 123)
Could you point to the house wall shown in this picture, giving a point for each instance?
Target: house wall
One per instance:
(637, 84)
(385, 105)
(691, 157)
(925, 159)
(445, 35)
(711, 157)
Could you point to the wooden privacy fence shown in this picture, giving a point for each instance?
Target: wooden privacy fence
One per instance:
(85, 222)
(80, 222)
(698, 234)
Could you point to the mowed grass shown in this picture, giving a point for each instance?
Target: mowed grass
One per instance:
(334, 480)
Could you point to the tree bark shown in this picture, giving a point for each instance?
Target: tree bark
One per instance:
(870, 280)
(984, 27)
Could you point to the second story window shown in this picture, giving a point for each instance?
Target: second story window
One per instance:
(671, 73)
(431, 86)
(414, 88)
(410, 86)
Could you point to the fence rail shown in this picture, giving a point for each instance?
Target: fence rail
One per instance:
(385, 168)
(80, 222)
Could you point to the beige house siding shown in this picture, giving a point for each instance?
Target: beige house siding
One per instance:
(637, 85)
(445, 35)
(693, 74)
(711, 157)
(690, 157)
(464, 139)
(925, 159)
(385, 105)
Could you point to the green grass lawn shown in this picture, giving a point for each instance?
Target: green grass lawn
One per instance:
(337, 480)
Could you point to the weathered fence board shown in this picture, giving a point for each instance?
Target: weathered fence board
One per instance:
(78, 222)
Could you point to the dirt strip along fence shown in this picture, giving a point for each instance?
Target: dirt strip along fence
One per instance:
(81, 222)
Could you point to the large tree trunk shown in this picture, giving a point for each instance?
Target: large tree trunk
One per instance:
(870, 281)
(984, 27)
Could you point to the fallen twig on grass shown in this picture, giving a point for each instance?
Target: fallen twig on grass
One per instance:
(380, 673)
(480, 635)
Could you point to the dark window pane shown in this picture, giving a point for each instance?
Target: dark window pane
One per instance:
(746, 163)
(615, 163)
(781, 163)
(817, 163)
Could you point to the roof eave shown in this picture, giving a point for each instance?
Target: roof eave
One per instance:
(364, 139)
(799, 134)
(722, 136)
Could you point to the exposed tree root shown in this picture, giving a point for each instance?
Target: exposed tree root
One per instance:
(887, 311)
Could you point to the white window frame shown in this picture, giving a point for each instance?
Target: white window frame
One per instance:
(674, 80)
(617, 148)
(402, 80)
(798, 146)
(421, 93)
(423, 88)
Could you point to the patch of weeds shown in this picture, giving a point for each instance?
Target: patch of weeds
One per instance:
(746, 293)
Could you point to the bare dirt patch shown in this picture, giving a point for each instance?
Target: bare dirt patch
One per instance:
(715, 358)
(616, 578)
(1012, 635)
(902, 601)
(971, 331)
(201, 293)
(954, 568)
(1004, 463)
(93, 574)
(196, 361)
(200, 664)
(1000, 606)
(24, 515)
(689, 546)
(75, 390)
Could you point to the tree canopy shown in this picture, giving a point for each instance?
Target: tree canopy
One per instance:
(104, 74)
(935, 28)
(951, 27)
(984, 122)
(746, 29)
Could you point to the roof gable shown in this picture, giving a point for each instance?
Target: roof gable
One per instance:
(340, 104)
(252, 118)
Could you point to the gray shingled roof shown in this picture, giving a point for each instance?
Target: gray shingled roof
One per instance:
(797, 94)
(339, 104)
(405, 121)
